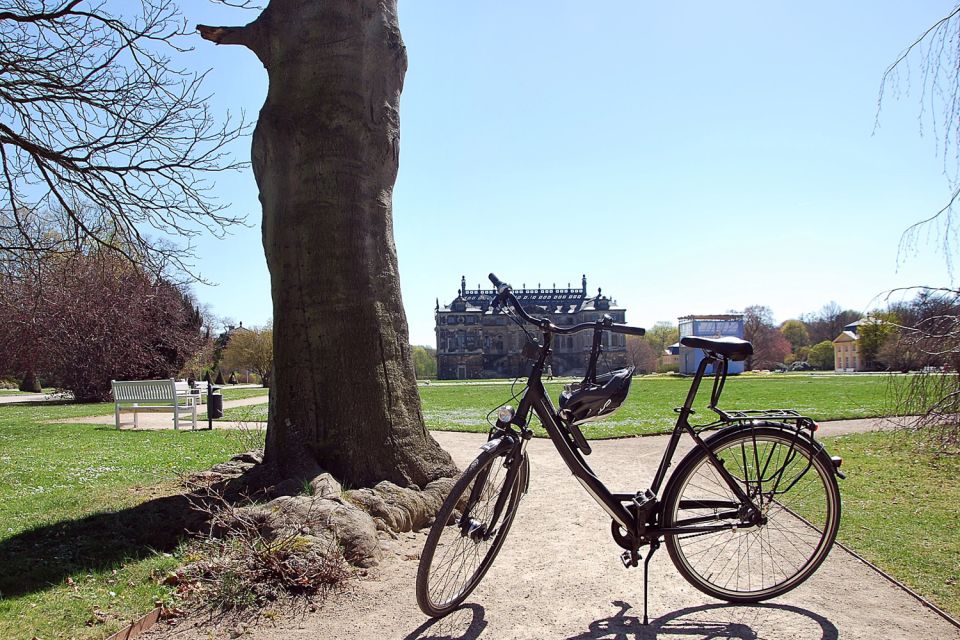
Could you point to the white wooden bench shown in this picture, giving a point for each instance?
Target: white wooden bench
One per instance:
(154, 395)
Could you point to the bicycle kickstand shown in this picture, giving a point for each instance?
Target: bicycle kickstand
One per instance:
(646, 571)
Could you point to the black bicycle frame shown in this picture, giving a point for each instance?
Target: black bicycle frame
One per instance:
(535, 399)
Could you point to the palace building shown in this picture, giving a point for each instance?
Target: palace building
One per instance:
(473, 341)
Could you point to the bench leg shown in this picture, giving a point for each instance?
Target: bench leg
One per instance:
(136, 425)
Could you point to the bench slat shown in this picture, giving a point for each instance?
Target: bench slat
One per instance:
(143, 393)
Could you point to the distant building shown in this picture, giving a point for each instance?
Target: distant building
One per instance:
(710, 326)
(671, 356)
(846, 348)
(474, 342)
(221, 341)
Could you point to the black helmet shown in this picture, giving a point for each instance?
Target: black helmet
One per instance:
(584, 401)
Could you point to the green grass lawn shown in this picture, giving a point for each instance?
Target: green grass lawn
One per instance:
(84, 531)
(901, 508)
(230, 393)
(649, 407)
(85, 503)
(250, 413)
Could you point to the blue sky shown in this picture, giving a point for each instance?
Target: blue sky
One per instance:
(687, 157)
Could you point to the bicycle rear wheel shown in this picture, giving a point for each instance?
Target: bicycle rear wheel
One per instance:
(461, 545)
(794, 486)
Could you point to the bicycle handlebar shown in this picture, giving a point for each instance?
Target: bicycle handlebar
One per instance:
(505, 295)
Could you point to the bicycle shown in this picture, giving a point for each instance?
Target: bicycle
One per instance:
(749, 513)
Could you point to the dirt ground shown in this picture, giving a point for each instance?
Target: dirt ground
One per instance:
(559, 576)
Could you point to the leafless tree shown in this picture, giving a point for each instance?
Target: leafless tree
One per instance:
(934, 395)
(930, 69)
(103, 136)
(769, 346)
(641, 354)
(930, 338)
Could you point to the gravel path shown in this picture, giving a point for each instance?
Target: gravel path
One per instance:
(22, 398)
(164, 420)
(559, 576)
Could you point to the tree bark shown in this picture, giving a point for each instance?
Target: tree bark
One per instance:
(325, 156)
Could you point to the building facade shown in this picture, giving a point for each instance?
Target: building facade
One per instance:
(846, 348)
(712, 326)
(475, 342)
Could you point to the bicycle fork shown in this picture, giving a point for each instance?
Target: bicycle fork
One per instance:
(473, 528)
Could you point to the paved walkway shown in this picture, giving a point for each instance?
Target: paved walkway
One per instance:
(159, 421)
(19, 398)
(151, 421)
(559, 576)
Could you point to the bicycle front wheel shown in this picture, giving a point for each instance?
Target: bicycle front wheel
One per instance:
(795, 488)
(463, 540)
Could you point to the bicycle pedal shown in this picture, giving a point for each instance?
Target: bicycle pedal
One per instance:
(644, 498)
(630, 559)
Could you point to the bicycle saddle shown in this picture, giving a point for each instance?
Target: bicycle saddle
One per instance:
(728, 346)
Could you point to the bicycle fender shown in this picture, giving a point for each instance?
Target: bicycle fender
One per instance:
(494, 444)
(491, 446)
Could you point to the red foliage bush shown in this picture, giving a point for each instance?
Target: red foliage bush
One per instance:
(88, 319)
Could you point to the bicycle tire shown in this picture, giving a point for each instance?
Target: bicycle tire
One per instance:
(802, 514)
(442, 584)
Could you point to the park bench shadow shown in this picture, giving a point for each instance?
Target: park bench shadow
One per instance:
(45, 556)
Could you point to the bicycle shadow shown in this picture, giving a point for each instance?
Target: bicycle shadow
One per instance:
(732, 621)
(703, 622)
(465, 623)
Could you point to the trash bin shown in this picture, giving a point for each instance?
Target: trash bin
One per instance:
(215, 405)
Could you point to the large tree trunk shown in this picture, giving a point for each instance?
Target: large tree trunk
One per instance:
(325, 155)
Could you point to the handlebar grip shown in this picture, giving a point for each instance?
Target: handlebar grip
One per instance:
(495, 280)
(623, 328)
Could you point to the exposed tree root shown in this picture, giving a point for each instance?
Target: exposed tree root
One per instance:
(314, 507)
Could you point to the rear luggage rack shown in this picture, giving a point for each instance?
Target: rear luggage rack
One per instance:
(760, 414)
(786, 416)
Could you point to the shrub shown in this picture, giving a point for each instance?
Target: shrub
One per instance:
(30, 383)
(96, 318)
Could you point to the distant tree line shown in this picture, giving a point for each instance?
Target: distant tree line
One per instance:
(903, 336)
(424, 362)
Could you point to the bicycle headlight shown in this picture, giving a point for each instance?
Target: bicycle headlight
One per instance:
(505, 413)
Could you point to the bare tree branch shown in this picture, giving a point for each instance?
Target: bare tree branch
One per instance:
(938, 50)
(98, 123)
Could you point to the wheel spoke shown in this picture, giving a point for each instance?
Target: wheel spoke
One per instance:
(796, 526)
(459, 550)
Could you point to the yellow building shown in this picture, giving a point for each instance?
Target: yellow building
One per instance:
(846, 348)
(846, 352)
